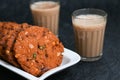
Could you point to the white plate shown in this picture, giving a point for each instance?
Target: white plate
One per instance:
(69, 58)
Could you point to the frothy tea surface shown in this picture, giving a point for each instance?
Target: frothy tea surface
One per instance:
(44, 5)
(89, 21)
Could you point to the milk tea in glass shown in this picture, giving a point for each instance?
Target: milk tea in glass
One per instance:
(46, 14)
(89, 28)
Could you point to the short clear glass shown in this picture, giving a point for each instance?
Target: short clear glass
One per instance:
(89, 28)
(46, 14)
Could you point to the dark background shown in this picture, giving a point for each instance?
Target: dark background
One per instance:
(107, 68)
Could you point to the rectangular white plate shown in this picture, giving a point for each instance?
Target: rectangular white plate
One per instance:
(69, 58)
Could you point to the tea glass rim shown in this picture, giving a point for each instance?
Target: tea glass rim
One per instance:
(101, 13)
(33, 1)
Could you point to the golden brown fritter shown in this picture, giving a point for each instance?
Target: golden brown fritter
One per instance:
(8, 34)
(37, 50)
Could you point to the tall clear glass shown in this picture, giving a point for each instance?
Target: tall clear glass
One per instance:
(46, 14)
(89, 28)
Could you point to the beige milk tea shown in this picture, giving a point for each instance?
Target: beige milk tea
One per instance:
(46, 14)
(89, 34)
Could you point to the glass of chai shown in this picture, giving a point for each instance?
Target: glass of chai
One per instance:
(89, 28)
(46, 14)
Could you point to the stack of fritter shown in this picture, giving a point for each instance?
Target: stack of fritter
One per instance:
(31, 48)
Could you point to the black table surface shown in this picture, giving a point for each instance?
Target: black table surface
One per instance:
(107, 68)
